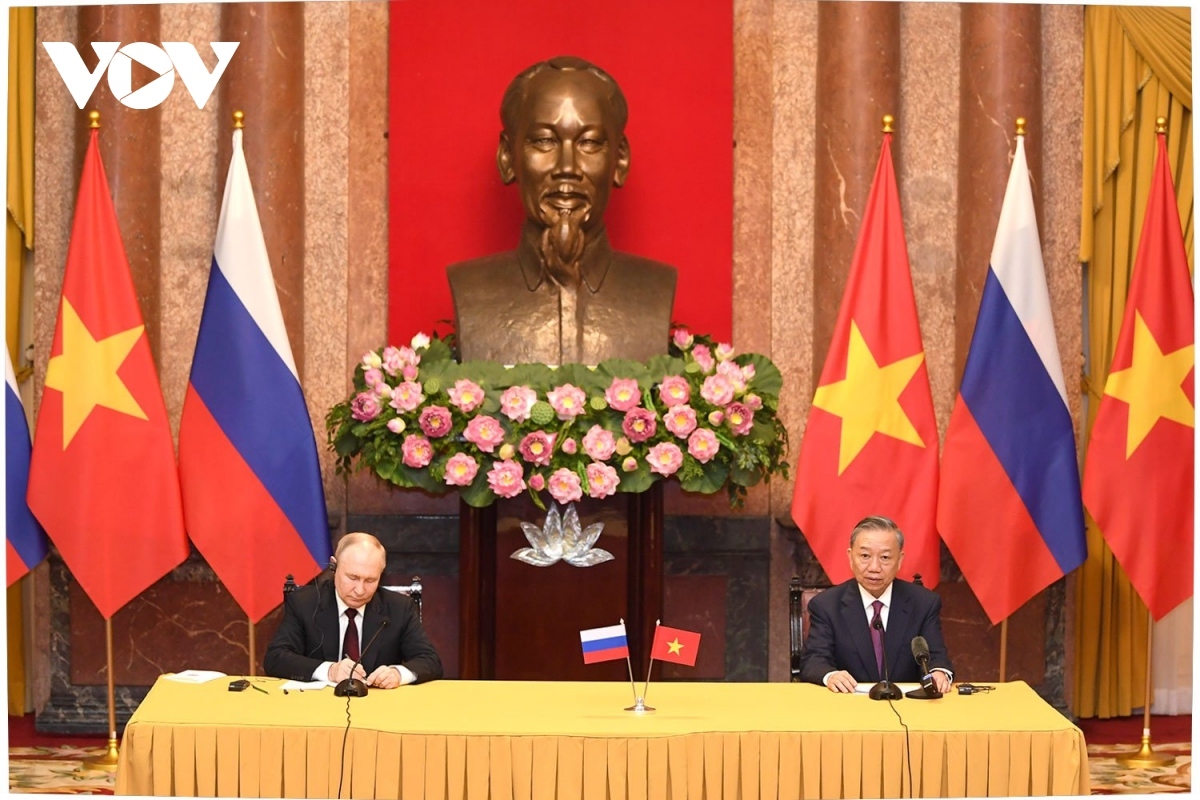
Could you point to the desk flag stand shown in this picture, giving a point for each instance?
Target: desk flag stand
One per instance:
(639, 702)
(108, 761)
(1145, 756)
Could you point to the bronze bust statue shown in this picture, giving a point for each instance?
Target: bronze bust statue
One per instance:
(564, 295)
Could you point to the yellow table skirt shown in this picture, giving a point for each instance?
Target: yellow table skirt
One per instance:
(502, 740)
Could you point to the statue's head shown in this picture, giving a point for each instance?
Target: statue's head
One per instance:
(564, 144)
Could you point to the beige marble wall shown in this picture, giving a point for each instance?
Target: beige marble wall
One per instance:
(345, 196)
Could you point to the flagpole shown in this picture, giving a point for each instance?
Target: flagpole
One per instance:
(1145, 756)
(639, 704)
(108, 761)
(650, 668)
(1003, 650)
(250, 624)
(629, 664)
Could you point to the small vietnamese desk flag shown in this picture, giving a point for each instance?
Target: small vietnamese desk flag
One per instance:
(102, 478)
(675, 645)
(1138, 476)
(604, 644)
(25, 540)
(252, 492)
(1009, 506)
(871, 443)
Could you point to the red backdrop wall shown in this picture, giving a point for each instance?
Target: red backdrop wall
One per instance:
(449, 65)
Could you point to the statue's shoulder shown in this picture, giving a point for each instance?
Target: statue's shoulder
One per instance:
(643, 269)
(491, 267)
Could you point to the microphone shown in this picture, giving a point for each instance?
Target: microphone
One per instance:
(352, 686)
(928, 691)
(885, 689)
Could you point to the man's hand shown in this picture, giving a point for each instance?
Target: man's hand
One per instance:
(941, 681)
(340, 670)
(841, 681)
(385, 677)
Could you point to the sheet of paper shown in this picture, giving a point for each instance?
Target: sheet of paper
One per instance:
(304, 686)
(195, 675)
(864, 688)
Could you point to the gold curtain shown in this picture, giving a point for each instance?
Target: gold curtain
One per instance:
(1137, 66)
(19, 237)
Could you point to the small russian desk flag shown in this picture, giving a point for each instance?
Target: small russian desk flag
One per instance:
(604, 644)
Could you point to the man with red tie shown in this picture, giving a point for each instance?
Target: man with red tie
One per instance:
(329, 627)
(855, 625)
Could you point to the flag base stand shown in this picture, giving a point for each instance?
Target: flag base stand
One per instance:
(1145, 757)
(640, 707)
(108, 761)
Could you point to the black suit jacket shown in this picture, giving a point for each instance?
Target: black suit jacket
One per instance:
(839, 636)
(308, 635)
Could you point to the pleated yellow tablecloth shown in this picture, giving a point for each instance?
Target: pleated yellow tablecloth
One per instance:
(559, 741)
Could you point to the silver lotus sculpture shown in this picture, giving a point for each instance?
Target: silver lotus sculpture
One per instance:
(562, 539)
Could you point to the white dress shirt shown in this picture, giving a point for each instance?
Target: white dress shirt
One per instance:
(321, 673)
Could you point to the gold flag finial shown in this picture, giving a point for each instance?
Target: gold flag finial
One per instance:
(1020, 126)
(93, 119)
(239, 119)
(1160, 125)
(888, 121)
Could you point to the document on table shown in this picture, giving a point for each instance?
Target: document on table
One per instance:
(194, 675)
(864, 688)
(304, 686)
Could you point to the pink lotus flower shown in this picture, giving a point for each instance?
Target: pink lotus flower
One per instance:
(704, 358)
(461, 470)
(733, 373)
(537, 482)
(417, 451)
(683, 338)
(537, 448)
(516, 402)
(674, 390)
(409, 356)
(602, 480)
(365, 407)
(484, 432)
(703, 445)
(373, 377)
(569, 446)
(680, 420)
(724, 351)
(715, 418)
(623, 447)
(466, 395)
(567, 401)
(409, 372)
(507, 451)
(753, 402)
(629, 464)
(435, 421)
(717, 390)
(623, 394)
(407, 397)
(506, 478)
(739, 418)
(665, 458)
(748, 372)
(598, 443)
(392, 361)
(639, 424)
(371, 360)
(396, 425)
(565, 486)
(382, 390)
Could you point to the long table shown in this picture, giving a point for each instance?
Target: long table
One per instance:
(510, 739)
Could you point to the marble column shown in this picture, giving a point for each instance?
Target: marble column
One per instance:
(130, 147)
(1001, 68)
(268, 86)
(858, 81)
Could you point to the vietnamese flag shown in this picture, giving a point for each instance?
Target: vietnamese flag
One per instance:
(102, 478)
(1138, 476)
(675, 645)
(871, 443)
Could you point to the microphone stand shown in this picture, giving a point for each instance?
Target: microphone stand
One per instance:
(352, 686)
(928, 690)
(885, 689)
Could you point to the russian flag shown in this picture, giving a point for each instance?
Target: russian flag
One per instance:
(604, 644)
(27, 545)
(253, 500)
(1009, 505)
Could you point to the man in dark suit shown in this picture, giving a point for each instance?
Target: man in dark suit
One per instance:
(840, 650)
(328, 626)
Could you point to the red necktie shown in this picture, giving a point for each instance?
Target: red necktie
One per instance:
(351, 640)
(876, 636)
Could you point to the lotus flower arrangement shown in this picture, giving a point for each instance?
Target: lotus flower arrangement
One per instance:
(701, 414)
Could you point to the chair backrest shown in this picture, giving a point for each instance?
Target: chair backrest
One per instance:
(411, 590)
(799, 597)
